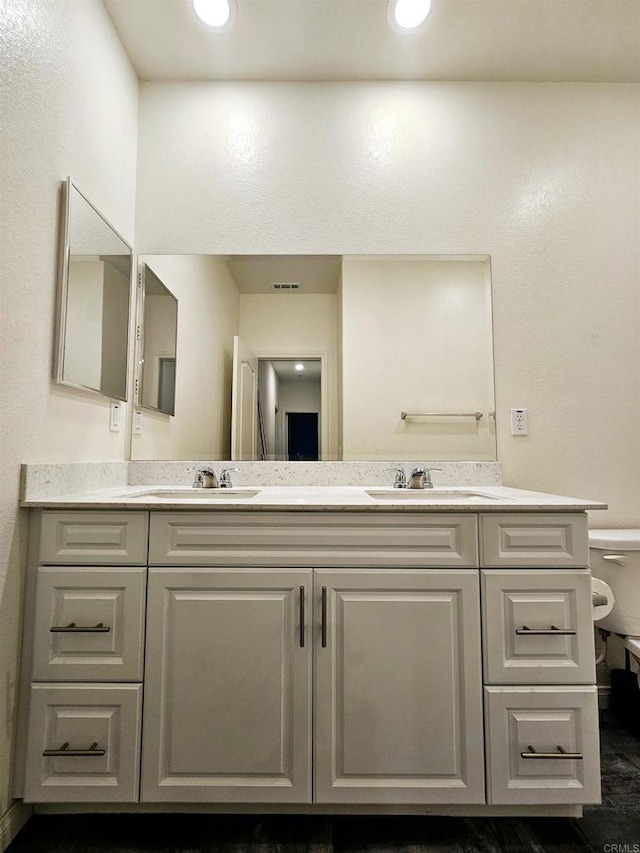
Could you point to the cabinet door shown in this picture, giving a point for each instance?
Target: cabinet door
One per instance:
(542, 745)
(537, 626)
(89, 624)
(83, 743)
(398, 687)
(227, 686)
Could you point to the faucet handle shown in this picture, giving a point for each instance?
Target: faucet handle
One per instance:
(205, 477)
(400, 481)
(424, 473)
(225, 479)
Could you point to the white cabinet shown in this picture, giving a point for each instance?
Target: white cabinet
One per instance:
(227, 687)
(537, 626)
(228, 702)
(81, 694)
(94, 538)
(541, 711)
(542, 745)
(314, 539)
(309, 660)
(84, 743)
(89, 623)
(398, 685)
(520, 540)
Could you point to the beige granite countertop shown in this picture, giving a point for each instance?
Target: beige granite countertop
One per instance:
(317, 498)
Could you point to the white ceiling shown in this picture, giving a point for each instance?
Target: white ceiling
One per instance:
(298, 40)
(314, 273)
(286, 370)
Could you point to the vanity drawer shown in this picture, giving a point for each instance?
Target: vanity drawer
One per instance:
(313, 539)
(537, 627)
(89, 624)
(94, 538)
(520, 540)
(80, 716)
(549, 720)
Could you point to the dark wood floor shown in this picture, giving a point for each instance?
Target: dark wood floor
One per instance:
(615, 822)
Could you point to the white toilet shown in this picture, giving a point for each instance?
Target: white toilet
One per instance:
(615, 559)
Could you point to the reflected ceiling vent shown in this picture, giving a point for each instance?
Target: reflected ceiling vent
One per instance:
(285, 285)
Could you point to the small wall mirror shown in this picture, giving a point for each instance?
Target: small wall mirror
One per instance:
(94, 299)
(157, 333)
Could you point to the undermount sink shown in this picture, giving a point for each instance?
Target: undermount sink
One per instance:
(189, 493)
(465, 495)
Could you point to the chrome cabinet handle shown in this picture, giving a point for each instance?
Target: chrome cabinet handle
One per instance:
(75, 753)
(72, 628)
(302, 617)
(324, 617)
(548, 632)
(561, 753)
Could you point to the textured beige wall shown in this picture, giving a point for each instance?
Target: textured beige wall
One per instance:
(69, 107)
(208, 305)
(542, 177)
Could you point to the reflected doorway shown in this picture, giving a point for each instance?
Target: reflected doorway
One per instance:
(302, 436)
(289, 409)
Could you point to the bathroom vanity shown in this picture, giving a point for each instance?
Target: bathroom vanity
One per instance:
(310, 650)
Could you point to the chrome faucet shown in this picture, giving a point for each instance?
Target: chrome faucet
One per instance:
(400, 480)
(225, 478)
(205, 478)
(420, 478)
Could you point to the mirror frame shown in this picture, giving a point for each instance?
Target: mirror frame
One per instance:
(140, 340)
(63, 294)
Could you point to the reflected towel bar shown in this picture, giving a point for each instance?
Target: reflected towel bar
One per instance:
(405, 415)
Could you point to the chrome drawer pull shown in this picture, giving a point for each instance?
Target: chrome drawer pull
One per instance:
(323, 629)
(302, 617)
(72, 628)
(547, 632)
(561, 753)
(75, 753)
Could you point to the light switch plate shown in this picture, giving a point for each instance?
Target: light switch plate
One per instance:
(115, 416)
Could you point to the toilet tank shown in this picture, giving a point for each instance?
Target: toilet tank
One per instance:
(615, 559)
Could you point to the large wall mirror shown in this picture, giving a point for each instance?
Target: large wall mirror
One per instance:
(340, 357)
(94, 294)
(157, 336)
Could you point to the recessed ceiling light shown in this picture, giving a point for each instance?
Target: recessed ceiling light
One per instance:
(218, 14)
(299, 366)
(407, 14)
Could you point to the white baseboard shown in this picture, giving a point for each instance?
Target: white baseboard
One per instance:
(12, 822)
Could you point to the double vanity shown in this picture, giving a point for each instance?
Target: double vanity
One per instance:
(301, 649)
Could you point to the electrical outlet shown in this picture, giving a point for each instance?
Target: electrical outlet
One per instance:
(115, 416)
(137, 423)
(519, 422)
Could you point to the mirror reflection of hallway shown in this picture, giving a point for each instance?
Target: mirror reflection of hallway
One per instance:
(289, 409)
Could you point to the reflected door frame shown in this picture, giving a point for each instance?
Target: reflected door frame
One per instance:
(322, 357)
